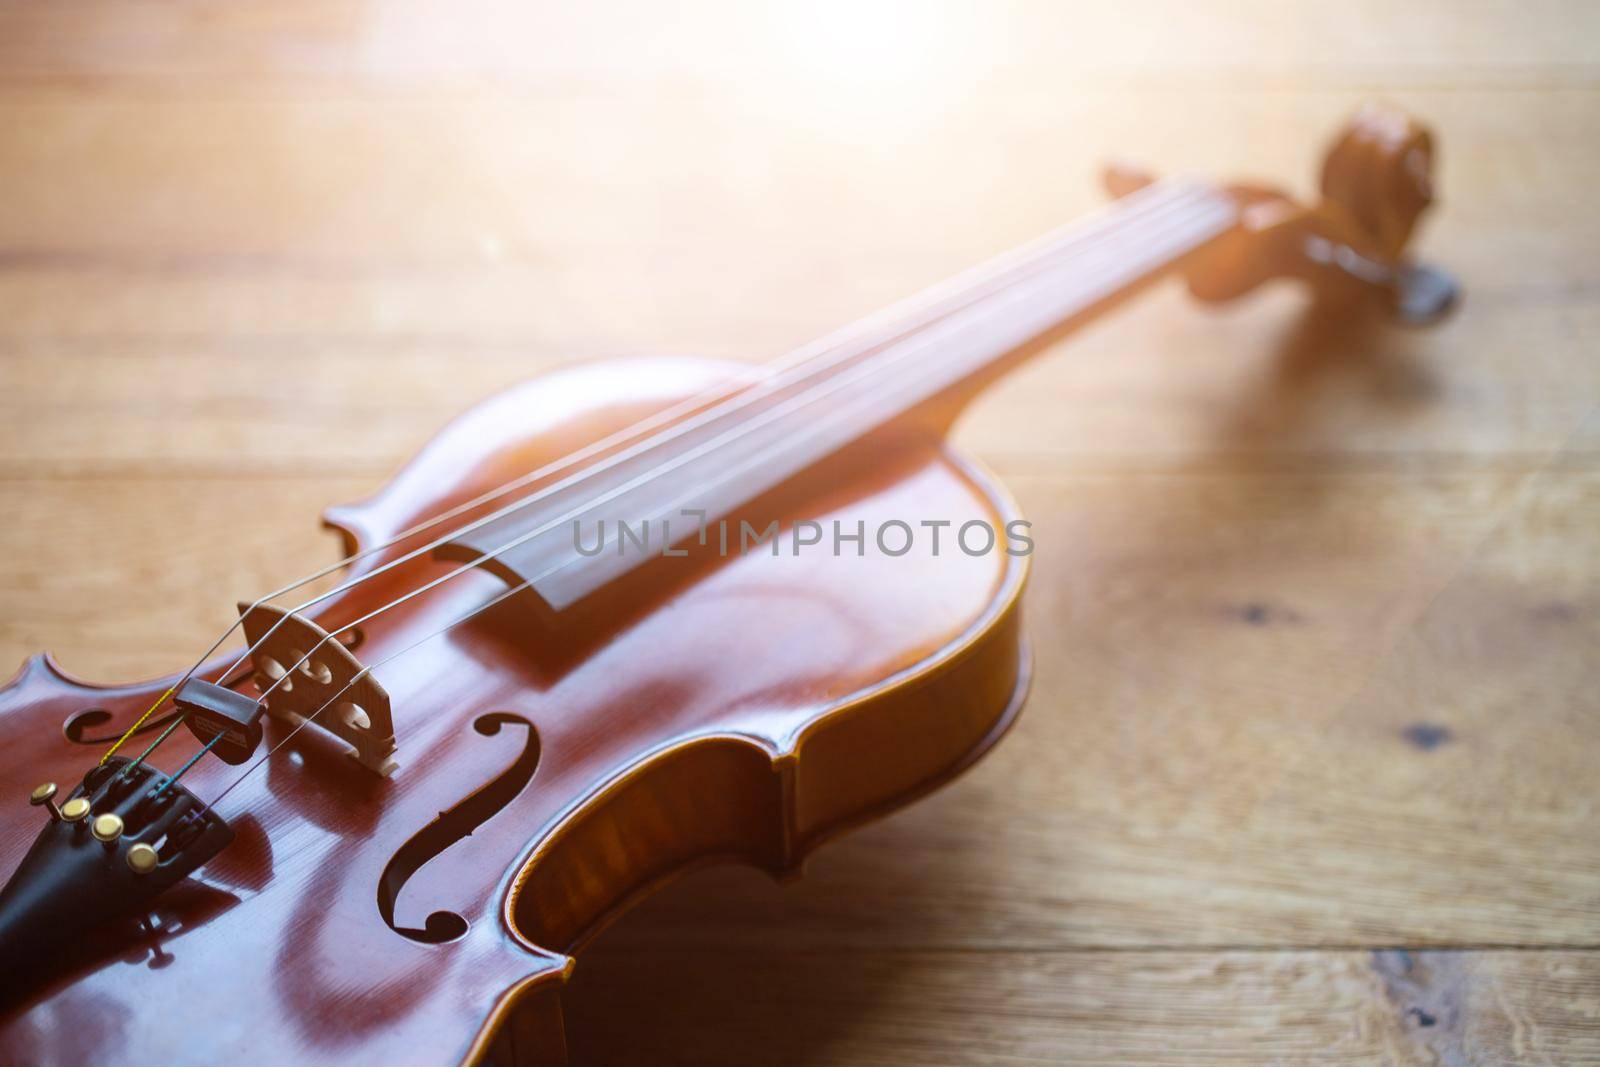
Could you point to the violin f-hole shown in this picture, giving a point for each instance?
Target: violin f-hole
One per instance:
(77, 725)
(453, 825)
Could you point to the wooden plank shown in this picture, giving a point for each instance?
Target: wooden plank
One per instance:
(1166, 386)
(1160, 1007)
(721, 46)
(129, 578)
(292, 218)
(241, 266)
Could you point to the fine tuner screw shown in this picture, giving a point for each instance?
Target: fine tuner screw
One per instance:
(106, 828)
(75, 810)
(142, 858)
(45, 796)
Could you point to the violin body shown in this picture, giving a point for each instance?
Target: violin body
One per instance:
(745, 708)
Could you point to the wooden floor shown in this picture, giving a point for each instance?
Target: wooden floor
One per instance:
(1311, 768)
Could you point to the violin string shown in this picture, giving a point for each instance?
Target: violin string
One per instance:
(1176, 239)
(168, 780)
(160, 738)
(1172, 235)
(969, 287)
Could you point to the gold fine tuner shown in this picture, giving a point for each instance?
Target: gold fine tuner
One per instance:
(45, 796)
(106, 828)
(142, 858)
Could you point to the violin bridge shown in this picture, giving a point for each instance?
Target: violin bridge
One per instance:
(359, 712)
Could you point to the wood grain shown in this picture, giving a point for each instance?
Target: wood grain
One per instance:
(1310, 750)
(1159, 1007)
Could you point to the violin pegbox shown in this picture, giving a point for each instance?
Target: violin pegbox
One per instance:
(308, 675)
(1376, 182)
(1379, 173)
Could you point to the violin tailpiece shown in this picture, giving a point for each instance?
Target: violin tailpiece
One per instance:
(126, 834)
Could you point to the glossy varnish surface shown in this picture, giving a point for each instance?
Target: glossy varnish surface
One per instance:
(744, 714)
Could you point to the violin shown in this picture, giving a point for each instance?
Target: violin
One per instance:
(616, 622)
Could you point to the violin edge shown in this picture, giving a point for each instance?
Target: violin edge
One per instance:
(989, 663)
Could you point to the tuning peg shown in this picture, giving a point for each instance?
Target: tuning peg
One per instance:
(1417, 294)
(1423, 294)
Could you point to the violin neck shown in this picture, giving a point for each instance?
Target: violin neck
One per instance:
(918, 359)
(975, 327)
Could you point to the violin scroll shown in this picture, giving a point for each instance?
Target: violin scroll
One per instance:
(1380, 174)
(1351, 245)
